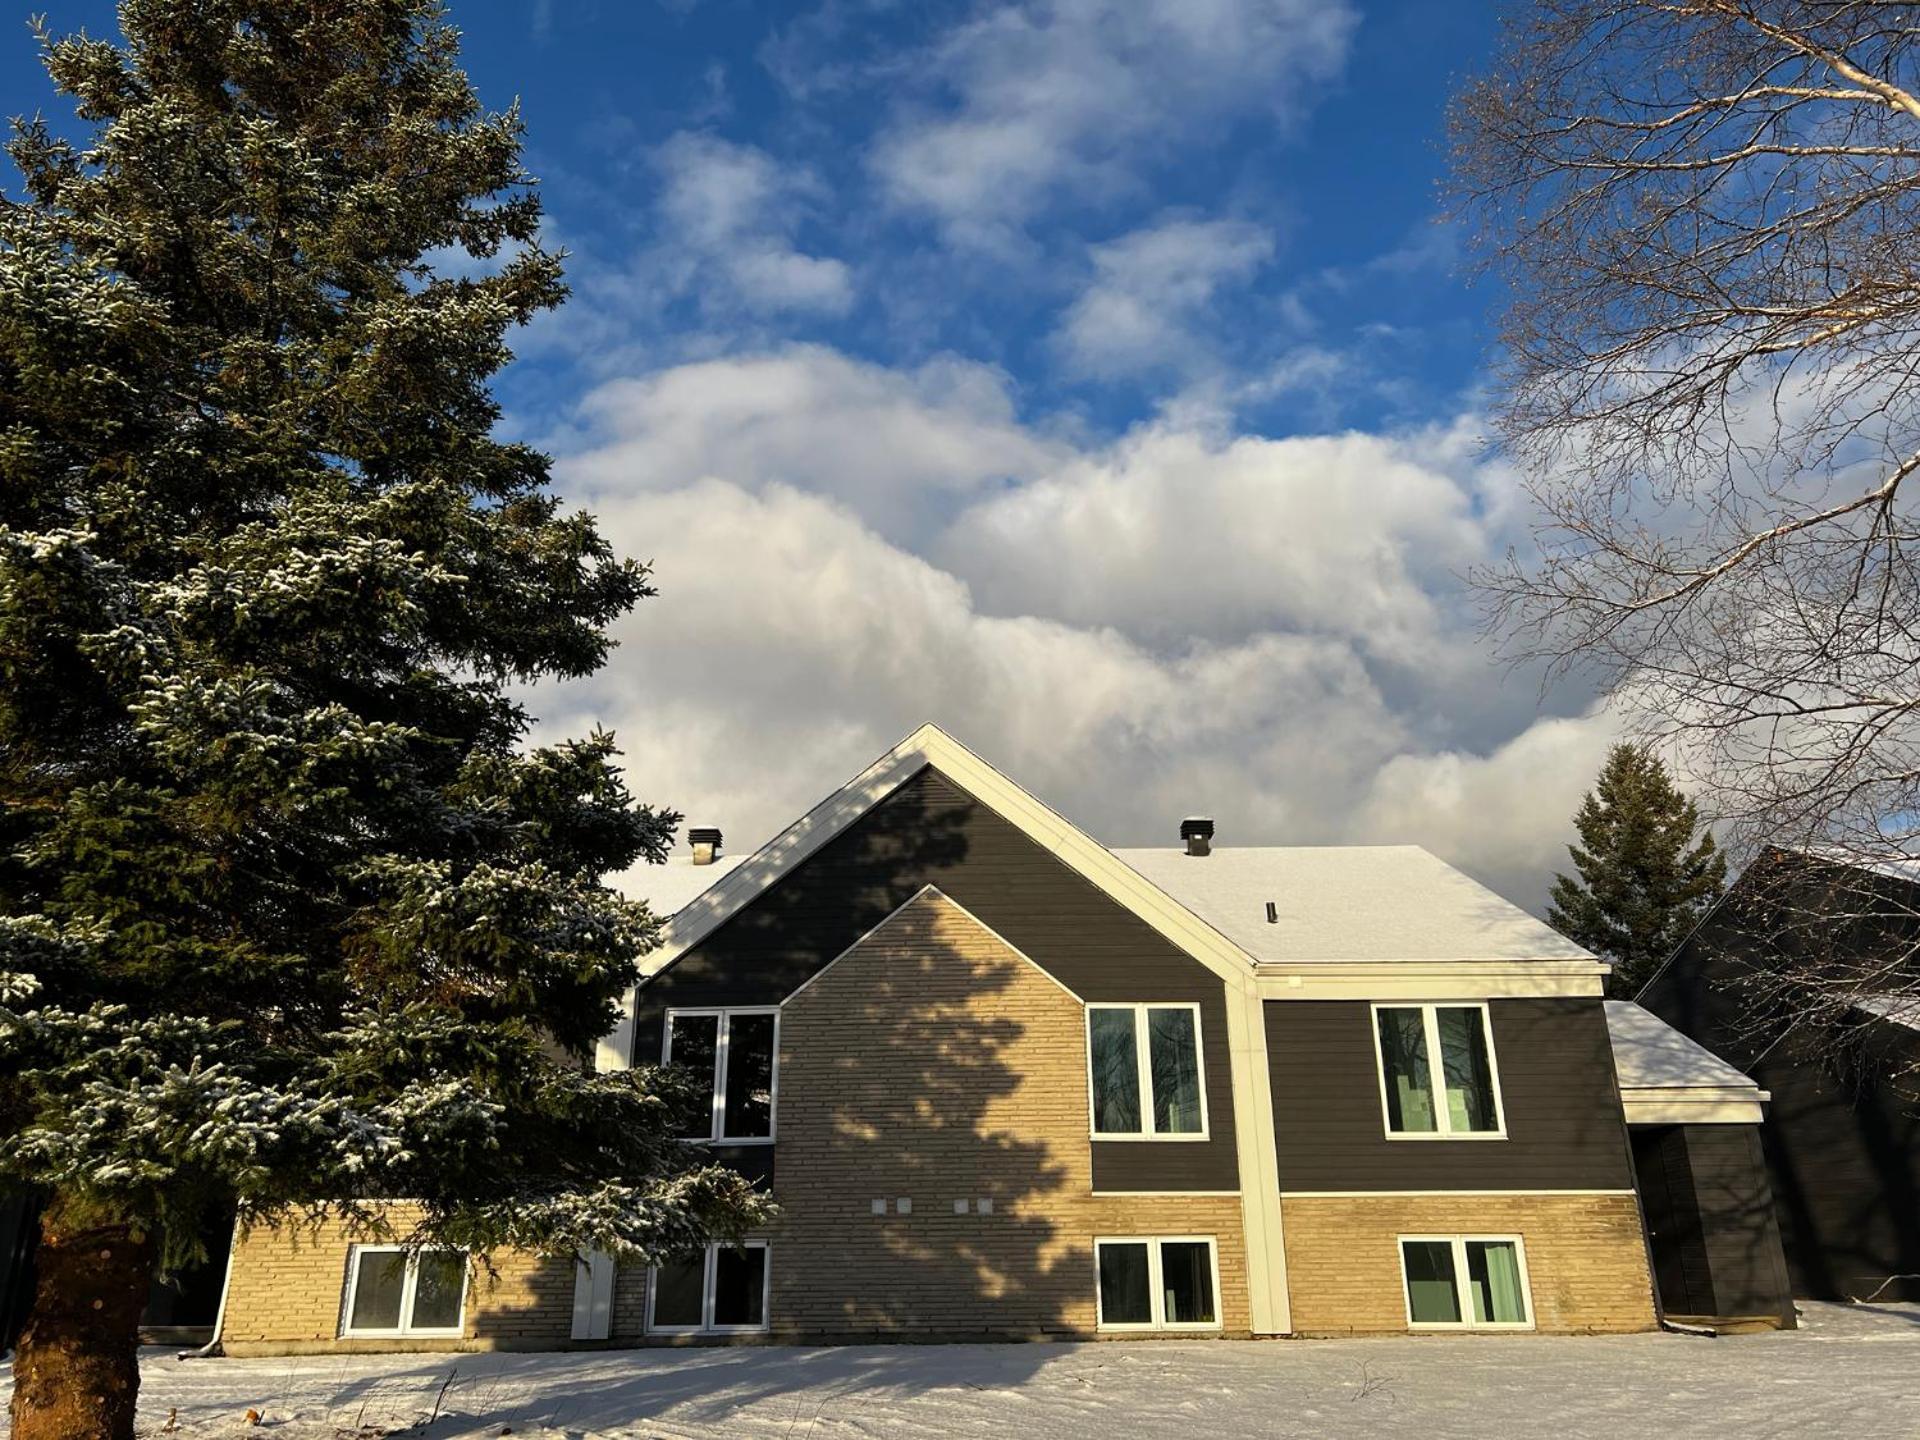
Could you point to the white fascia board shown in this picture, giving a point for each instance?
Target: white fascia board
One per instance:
(1431, 979)
(1695, 1105)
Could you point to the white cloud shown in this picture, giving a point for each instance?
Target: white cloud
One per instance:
(791, 643)
(1043, 96)
(1149, 287)
(900, 446)
(729, 213)
(1171, 533)
(1269, 630)
(1455, 803)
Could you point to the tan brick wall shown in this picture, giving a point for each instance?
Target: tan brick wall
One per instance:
(288, 1285)
(935, 1062)
(1586, 1259)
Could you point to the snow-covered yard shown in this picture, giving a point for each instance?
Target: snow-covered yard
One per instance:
(1848, 1371)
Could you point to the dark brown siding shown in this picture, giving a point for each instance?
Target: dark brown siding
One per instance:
(930, 831)
(1557, 1088)
(1709, 1212)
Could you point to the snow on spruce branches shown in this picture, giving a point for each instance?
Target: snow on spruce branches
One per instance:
(291, 917)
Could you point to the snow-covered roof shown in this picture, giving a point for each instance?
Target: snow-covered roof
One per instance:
(1900, 1009)
(670, 888)
(1649, 1054)
(1349, 903)
(1890, 862)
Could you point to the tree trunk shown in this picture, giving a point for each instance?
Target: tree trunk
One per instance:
(76, 1371)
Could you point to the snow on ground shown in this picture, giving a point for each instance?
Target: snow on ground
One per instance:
(1849, 1370)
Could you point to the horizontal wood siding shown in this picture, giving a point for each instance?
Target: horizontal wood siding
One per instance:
(930, 831)
(1564, 1125)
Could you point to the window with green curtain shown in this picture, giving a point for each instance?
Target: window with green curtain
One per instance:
(1493, 1277)
(1465, 1068)
(1432, 1296)
(1409, 1081)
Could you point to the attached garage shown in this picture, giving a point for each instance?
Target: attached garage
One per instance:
(1695, 1122)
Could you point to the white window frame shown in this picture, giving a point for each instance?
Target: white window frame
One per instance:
(1436, 1070)
(709, 1270)
(408, 1284)
(1143, 1070)
(723, 1031)
(1461, 1300)
(1156, 1285)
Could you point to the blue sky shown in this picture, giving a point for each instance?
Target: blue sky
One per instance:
(1090, 376)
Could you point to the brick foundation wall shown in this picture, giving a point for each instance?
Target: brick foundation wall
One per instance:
(1586, 1258)
(288, 1284)
(935, 1062)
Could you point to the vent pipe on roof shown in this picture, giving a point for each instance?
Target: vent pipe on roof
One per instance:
(706, 845)
(1197, 831)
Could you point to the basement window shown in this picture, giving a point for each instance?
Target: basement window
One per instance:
(1465, 1282)
(393, 1291)
(721, 1290)
(733, 1051)
(1438, 1076)
(1143, 1072)
(1162, 1283)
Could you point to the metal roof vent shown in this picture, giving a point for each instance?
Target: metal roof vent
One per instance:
(706, 844)
(1197, 831)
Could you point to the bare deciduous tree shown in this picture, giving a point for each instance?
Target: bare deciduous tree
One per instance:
(1707, 214)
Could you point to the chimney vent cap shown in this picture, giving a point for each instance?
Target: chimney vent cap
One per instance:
(1201, 825)
(704, 835)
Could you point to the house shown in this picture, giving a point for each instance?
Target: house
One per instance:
(1005, 1082)
(1842, 1138)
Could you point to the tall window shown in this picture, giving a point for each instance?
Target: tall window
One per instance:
(391, 1291)
(1162, 1283)
(734, 1050)
(1466, 1283)
(1144, 1064)
(721, 1289)
(1437, 1075)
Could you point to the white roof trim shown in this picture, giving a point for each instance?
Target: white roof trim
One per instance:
(1696, 1107)
(930, 745)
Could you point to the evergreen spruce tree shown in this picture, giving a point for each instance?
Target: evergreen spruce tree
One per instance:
(290, 916)
(1647, 870)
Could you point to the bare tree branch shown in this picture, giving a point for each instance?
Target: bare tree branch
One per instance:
(1705, 213)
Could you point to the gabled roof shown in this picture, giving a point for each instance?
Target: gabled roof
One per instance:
(930, 745)
(1349, 903)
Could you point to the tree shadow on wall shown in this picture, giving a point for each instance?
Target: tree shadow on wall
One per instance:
(931, 1065)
